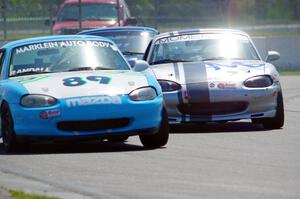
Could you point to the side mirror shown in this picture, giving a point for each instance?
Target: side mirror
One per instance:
(132, 21)
(272, 56)
(132, 62)
(139, 65)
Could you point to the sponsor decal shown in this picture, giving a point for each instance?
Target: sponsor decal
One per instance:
(26, 70)
(131, 83)
(227, 86)
(94, 100)
(78, 81)
(195, 37)
(217, 66)
(211, 85)
(50, 114)
(61, 44)
(45, 89)
(25, 80)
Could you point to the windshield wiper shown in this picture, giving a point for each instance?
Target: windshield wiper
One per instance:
(91, 68)
(170, 61)
(131, 53)
(30, 73)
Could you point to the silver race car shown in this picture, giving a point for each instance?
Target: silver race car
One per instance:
(216, 75)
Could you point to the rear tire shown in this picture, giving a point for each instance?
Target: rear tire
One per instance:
(276, 122)
(7, 128)
(161, 137)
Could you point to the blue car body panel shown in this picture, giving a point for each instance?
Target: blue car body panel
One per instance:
(32, 121)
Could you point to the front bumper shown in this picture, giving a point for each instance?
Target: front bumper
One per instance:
(222, 104)
(46, 122)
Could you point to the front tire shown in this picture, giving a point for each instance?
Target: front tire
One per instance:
(276, 122)
(161, 137)
(7, 128)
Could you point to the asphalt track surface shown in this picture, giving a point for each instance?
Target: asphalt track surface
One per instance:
(233, 160)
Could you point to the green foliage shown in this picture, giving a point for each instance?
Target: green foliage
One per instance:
(241, 10)
(22, 195)
(280, 9)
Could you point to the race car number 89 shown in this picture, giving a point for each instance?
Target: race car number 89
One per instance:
(78, 81)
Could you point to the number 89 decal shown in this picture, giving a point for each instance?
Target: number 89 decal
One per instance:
(78, 81)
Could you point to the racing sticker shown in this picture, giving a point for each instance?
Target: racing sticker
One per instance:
(194, 37)
(226, 85)
(50, 114)
(198, 92)
(218, 66)
(26, 70)
(78, 81)
(24, 80)
(61, 44)
(94, 100)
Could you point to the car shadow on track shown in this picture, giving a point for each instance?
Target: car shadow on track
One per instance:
(77, 147)
(229, 127)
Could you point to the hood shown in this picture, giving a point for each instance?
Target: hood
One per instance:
(208, 71)
(58, 26)
(84, 83)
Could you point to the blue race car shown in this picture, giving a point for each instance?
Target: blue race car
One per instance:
(132, 41)
(77, 87)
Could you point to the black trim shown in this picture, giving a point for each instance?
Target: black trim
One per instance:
(92, 125)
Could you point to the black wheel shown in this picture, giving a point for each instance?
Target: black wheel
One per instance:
(161, 137)
(121, 138)
(7, 127)
(276, 122)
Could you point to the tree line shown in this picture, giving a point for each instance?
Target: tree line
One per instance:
(235, 10)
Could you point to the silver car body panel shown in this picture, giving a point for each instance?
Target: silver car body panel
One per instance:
(215, 91)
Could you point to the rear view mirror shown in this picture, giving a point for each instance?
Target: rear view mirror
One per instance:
(272, 56)
(132, 21)
(46, 52)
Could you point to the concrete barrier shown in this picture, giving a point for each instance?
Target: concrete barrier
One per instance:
(287, 46)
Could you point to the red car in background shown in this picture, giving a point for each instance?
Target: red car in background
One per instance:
(94, 14)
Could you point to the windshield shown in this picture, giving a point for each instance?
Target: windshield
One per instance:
(202, 47)
(128, 42)
(64, 56)
(90, 11)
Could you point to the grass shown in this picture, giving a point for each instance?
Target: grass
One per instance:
(21, 195)
(290, 73)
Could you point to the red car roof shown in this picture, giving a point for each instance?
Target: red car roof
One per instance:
(90, 1)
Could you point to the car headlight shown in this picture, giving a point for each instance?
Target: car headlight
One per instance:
(143, 94)
(36, 101)
(259, 81)
(168, 86)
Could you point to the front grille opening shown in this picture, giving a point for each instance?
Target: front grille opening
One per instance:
(214, 108)
(94, 125)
